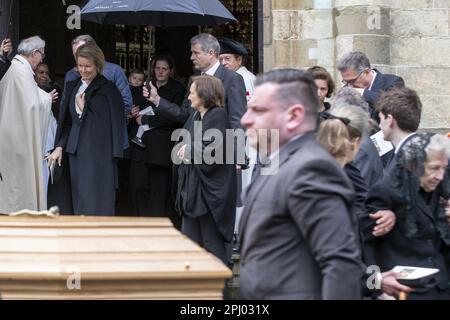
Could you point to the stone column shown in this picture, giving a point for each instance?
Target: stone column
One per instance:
(302, 33)
(420, 53)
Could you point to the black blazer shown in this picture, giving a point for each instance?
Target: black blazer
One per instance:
(368, 162)
(383, 82)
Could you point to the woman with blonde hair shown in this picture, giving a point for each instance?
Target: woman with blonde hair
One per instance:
(90, 130)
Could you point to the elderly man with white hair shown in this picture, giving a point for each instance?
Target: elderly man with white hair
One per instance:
(25, 113)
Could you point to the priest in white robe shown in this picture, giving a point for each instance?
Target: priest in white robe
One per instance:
(25, 113)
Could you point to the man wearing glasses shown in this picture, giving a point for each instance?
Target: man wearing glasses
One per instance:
(357, 73)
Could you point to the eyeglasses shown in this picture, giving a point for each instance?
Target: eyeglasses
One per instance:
(42, 54)
(328, 116)
(352, 81)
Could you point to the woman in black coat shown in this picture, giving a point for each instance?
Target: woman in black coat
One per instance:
(417, 190)
(90, 131)
(206, 190)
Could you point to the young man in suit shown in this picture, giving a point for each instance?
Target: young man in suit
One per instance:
(357, 73)
(399, 111)
(297, 235)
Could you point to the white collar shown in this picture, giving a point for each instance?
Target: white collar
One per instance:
(24, 61)
(374, 73)
(213, 69)
(403, 141)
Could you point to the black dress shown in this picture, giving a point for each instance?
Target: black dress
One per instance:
(93, 143)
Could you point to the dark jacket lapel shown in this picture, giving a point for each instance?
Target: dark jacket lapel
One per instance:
(285, 153)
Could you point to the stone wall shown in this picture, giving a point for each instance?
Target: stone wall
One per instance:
(407, 37)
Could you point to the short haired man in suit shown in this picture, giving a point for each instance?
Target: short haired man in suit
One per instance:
(297, 235)
(399, 111)
(357, 72)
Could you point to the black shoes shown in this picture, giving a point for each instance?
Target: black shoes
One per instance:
(139, 142)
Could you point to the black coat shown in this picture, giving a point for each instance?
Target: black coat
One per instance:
(383, 82)
(157, 140)
(93, 144)
(425, 249)
(4, 66)
(208, 188)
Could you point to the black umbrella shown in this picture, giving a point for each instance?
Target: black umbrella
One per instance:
(158, 13)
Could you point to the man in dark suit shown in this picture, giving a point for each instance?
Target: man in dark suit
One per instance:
(205, 50)
(399, 111)
(357, 72)
(297, 235)
(5, 51)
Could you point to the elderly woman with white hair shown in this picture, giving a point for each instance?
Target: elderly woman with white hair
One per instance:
(25, 112)
(417, 191)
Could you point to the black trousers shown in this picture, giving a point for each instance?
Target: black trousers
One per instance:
(151, 191)
(203, 230)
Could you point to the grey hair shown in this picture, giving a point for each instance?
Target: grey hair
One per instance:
(83, 38)
(347, 95)
(207, 42)
(440, 144)
(359, 118)
(27, 46)
(354, 60)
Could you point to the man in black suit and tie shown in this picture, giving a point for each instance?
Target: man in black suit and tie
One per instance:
(297, 235)
(357, 72)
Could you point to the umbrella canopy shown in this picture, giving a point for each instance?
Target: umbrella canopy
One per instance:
(158, 13)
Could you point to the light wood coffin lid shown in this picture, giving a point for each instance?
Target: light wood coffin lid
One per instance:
(115, 258)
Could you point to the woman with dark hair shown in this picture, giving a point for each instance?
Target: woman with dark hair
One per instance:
(324, 83)
(151, 165)
(206, 191)
(90, 131)
(417, 191)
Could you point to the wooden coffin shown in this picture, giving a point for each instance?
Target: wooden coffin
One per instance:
(77, 257)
